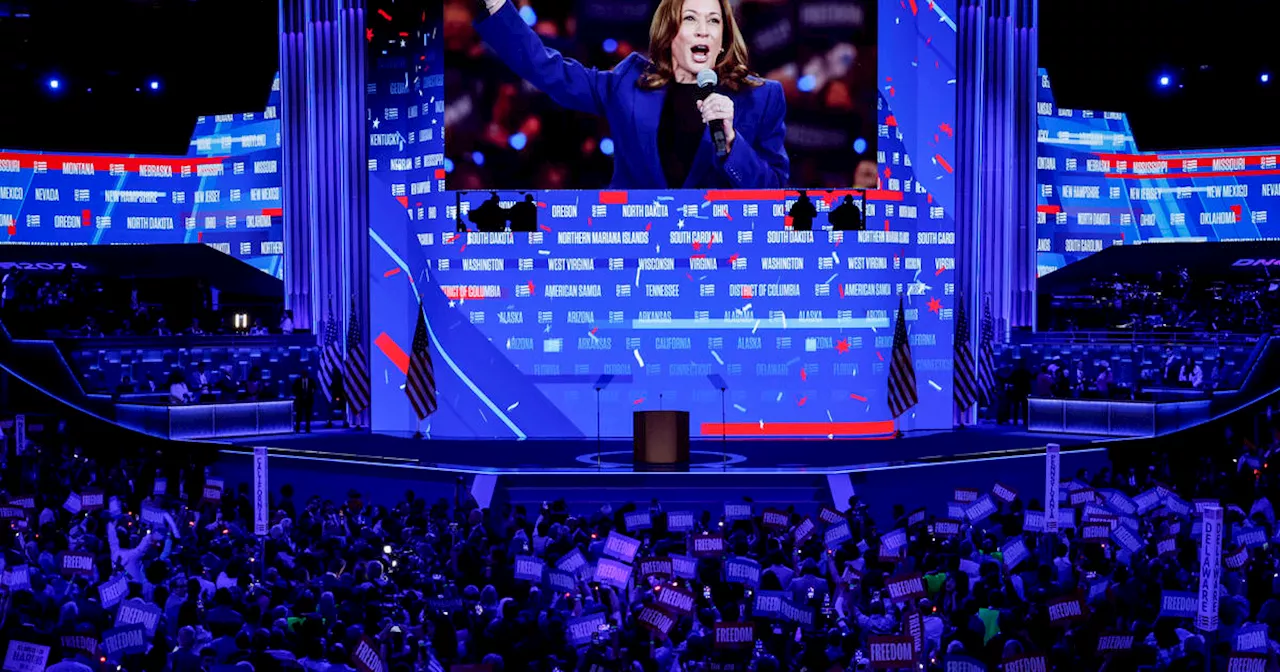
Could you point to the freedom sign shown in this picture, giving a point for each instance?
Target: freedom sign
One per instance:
(1034, 662)
(684, 567)
(892, 652)
(1014, 551)
(638, 520)
(980, 510)
(1251, 639)
(529, 568)
(837, 534)
(708, 546)
(137, 611)
(124, 640)
(613, 573)
(768, 603)
(775, 520)
(562, 582)
(946, 527)
(621, 547)
(676, 600)
(1066, 609)
(1178, 604)
(580, 630)
(737, 511)
(656, 620)
(735, 635)
(111, 592)
(803, 531)
(903, 587)
(366, 657)
(679, 521)
(1033, 521)
(1246, 662)
(965, 495)
(572, 562)
(742, 570)
(71, 563)
(660, 567)
(1004, 493)
(795, 613)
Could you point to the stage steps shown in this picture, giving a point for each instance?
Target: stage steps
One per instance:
(586, 493)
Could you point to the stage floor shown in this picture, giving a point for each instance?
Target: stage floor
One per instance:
(739, 456)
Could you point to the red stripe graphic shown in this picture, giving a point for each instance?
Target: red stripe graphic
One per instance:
(876, 428)
(613, 198)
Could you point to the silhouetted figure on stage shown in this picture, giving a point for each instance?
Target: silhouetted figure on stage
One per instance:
(490, 217)
(802, 214)
(524, 216)
(304, 400)
(847, 217)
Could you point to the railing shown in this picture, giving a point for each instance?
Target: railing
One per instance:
(184, 342)
(1144, 337)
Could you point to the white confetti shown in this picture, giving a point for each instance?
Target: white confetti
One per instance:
(717, 357)
(740, 408)
(753, 329)
(639, 359)
(829, 418)
(779, 396)
(762, 423)
(545, 253)
(831, 436)
(637, 276)
(935, 386)
(836, 257)
(784, 320)
(512, 407)
(833, 277)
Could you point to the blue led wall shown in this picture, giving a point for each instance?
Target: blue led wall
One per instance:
(225, 192)
(1096, 188)
(662, 297)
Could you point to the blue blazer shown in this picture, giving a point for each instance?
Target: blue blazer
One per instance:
(758, 159)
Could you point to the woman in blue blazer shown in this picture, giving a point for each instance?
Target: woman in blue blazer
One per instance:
(658, 120)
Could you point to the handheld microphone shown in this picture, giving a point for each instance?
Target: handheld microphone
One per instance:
(707, 81)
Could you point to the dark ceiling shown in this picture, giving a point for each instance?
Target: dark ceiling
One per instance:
(214, 56)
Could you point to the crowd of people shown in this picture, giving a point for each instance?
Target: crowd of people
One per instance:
(1174, 301)
(113, 560)
(69, 304)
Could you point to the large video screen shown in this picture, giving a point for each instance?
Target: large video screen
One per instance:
(225, 192)
(549, 94)
(1098, 189)
(559, 312)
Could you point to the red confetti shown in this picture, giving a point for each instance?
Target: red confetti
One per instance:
(531, 288)
(859, 397)
(940, 271)
(637, 402)
(804, 375)
(390, 272)
(544, 227)
(880, 356)
(802, 400)
(368, 35)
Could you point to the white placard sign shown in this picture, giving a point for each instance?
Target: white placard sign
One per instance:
(261, 494)
(1052, 469)
(25, 657)
(1210, 569)
(20, 439)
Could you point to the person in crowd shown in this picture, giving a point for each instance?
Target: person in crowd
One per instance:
(286, 323)
(126, 386)
(179, 393)
(195, 329)
(1105, 380)
(162, 328)
(257, 329)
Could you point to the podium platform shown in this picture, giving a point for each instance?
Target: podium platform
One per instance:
(660, 440)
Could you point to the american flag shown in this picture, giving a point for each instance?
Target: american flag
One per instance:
(421, 385)
(356, 372)
(966, 385)
(986, 358)
(902, 371)
(330, 361)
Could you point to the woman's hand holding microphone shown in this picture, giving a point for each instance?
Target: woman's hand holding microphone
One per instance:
(719, 106)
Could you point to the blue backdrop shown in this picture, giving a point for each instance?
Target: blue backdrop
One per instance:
(662, 297)
(1097, 189)
(225, 192)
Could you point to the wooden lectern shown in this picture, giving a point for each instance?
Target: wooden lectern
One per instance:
(661, 440)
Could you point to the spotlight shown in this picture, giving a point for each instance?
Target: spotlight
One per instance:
(606, 146)
(1266, 77)
(448, 165)
(518, 141)
(54, 83)
(860, 145)
(477, 158)
(807, 83)
(154, 85)
(387, 549)
(530, 17)
(1165, 80)
(610, 45)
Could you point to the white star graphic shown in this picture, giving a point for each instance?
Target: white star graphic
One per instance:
(402, 43)
(452, 304)
(680, 224)
(375, 124)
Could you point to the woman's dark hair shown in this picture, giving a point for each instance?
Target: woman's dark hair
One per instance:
(731, 64)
